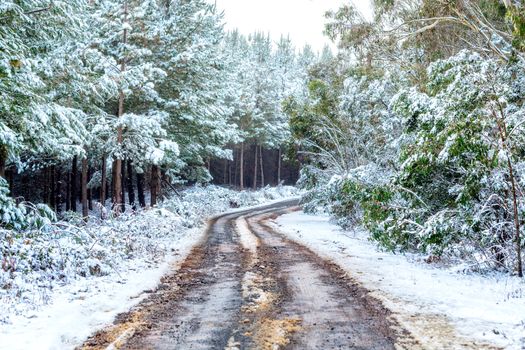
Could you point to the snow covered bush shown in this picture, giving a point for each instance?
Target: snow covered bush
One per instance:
(436, 167)
(24, 215)
(460, 166)
(35, 259)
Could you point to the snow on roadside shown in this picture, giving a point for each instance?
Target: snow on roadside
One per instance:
(442, 308)
(61, 313)
(89, 304)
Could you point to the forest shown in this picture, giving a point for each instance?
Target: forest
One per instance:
(110, 99)
(145, 149)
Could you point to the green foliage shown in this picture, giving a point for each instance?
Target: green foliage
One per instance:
(447, 182)
(516, 15)
(22, 216)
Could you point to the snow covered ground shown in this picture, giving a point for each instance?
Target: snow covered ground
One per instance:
(444, 309)
(39, 310)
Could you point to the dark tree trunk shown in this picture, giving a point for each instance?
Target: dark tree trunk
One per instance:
(45, 197)
(124, 184)
(68, 191)
(85, 208)
(114, 167)
(58, 191)
(103, 182)
(225, 172)
(155, 184)
(262, 165)
(241, 167)
(229, 173)
(3, 160)
(235, 167)
(2, 167)
(279, 167)
(118, 203)
(129, 181)
(140, 189)
(255, 168)
(52, 188)
(74, 179)
(90, 190)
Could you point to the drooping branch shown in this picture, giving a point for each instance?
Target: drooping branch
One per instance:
(44, 9)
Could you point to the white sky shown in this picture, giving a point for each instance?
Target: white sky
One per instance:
(303, 20)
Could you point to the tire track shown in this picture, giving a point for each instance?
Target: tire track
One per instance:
(247, 287)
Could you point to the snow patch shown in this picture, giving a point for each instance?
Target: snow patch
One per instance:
(248, 240)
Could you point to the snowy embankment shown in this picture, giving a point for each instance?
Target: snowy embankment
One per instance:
(442, 308)
(66, 281)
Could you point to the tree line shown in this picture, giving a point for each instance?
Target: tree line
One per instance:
(117, 99)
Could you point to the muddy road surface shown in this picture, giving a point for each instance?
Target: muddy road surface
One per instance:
(247, 287)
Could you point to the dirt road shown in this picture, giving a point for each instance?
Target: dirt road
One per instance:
(248, 287)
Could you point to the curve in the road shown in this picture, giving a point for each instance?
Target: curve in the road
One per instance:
(280, 295)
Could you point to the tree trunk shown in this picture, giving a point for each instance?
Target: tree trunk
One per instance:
(117, 205)
(58, 191)
(103, 182)
(225, 172)
(68, 191)
(516, 218)
(262, 165)
(85, 208)
(241, 167)
(2, 167)
(279, 167)
(124, 177)
(235, 166)
(230, 172)
(113, 176)
(255, 161)
(45, 197)
(90, 190)
(52, 187)
(129, 181)
(140, 189)
(74, 188)
(155, 184)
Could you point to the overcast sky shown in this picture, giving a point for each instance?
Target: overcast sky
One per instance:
(303, 20)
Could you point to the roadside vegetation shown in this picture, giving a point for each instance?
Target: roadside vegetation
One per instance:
(415, 130)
